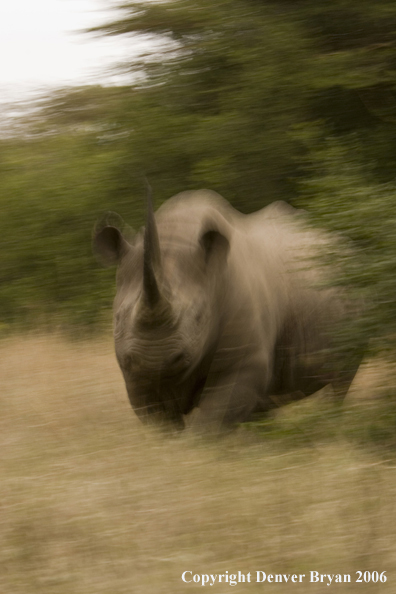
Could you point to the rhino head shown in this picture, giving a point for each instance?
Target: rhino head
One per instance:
(167, 309)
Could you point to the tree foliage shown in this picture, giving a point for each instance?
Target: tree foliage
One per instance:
(241, 74)
(257, 99)
(55, 179)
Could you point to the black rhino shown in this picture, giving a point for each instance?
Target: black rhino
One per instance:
(221, 311)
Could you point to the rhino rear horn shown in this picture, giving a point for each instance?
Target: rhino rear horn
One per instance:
(152, 256)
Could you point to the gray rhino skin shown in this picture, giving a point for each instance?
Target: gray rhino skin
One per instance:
(221, 311)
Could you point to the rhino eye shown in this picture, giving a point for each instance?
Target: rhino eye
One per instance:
(176, 359)
(198, 317)
(127, 362)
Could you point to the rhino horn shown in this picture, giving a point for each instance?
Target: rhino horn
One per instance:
(152, 256)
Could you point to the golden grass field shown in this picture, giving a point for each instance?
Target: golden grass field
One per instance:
(93, 503)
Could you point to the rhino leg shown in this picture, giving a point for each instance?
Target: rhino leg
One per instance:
(222, 406)
(341, 388)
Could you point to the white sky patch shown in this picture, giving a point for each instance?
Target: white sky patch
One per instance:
(41, 47)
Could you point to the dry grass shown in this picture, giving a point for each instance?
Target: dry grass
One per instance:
(91, 503)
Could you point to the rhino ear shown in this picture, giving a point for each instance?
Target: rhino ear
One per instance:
(215, 245)
(109, 246)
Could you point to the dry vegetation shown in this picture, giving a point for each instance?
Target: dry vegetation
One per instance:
(91, 503)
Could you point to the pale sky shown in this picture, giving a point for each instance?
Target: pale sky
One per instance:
(40, 45)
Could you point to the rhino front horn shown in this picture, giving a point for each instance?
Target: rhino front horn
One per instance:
(152, 255)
